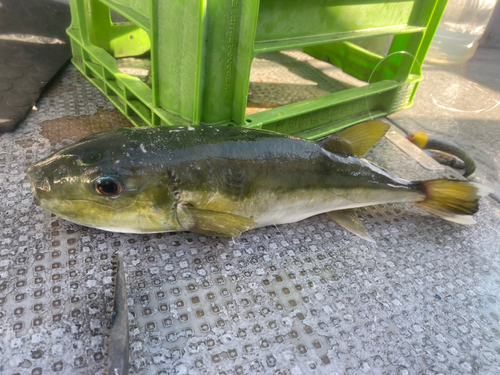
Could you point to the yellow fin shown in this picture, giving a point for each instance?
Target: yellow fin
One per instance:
(348, 219)
(212, 223)
(361, 137)
(451, 200)
(337, 146)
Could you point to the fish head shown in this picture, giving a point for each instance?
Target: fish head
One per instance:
(102, 182)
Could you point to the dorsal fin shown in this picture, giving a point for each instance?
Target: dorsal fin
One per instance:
(337, 146)
(356, 139)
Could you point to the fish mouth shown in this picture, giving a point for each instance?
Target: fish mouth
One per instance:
(33, 182)
(36, 198)
(38, 185)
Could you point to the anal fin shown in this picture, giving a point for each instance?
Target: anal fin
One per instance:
(348, 219)
(212, 223)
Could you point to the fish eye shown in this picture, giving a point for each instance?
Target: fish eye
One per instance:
(108, 186)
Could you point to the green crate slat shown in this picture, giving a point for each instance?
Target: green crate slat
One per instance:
(201, 55)
(142, 110)
(308, 41)
(127, 10)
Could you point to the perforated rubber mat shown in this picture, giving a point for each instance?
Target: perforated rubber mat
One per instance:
(304, 298)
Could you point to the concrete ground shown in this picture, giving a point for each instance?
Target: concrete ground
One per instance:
(304, 298)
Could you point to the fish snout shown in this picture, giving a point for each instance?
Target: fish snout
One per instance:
(40, 184)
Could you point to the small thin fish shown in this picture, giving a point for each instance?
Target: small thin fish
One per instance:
(445, 158)
(440, 148)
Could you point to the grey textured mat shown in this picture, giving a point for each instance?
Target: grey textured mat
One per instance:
(33, 47)
(305, 298)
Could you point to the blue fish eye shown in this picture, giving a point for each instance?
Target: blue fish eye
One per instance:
(108, 186)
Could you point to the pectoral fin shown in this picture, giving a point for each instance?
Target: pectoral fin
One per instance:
(212, 223)
(356, 139)
(348, 219)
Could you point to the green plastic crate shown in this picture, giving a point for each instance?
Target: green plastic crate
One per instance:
(201, 54)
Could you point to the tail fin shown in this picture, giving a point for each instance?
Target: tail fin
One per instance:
(455, 201)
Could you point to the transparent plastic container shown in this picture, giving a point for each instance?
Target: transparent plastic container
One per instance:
(458, 34)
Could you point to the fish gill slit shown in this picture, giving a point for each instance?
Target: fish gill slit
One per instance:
(176, 192)
(175, 183)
